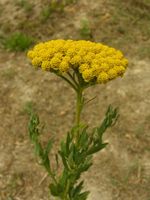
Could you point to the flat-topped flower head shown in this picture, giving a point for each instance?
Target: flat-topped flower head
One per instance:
(95, 62)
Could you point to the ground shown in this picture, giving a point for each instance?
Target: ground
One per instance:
(122, 170)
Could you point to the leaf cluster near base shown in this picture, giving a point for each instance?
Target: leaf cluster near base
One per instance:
(76, 153)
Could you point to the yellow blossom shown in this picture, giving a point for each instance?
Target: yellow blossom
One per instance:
(76, 60)
(124, 62)
(71, 52)
(119, 69)
(96, 69)
(39, 46)
(94, 61)
(55, 63)
(87, 58)
(104, 67)
(102, 77)
(83, 67)
(119, 54)
(36, 62)
(64, 66)
(81, 52)
(59, 55)
(31, 54)
(66, 58)
(112, 73)
(87, 75)
(46, 65)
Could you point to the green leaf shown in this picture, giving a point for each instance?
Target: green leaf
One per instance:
(57, 161)
(86, 167)
(83, 137)
(63, 159)
(76, 191)
(46, 163)
(82, 196)
(33, 126)
(63, 148)
(48, 147)
(56, 190)
(71, 160)
(43, 153)
(95, 149)
(110, 119)
(74, 130)
(64, 178)
(39, 150)
(68, 140)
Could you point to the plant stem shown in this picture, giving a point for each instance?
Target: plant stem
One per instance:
(76, 82)
(68, 81)
(65, 197)
(79, 105)
(53, 177)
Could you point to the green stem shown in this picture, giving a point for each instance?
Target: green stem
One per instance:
(68, 81)
(65, 197)
(76, 82)
(52, 176)
(73, 78)
(79, 105)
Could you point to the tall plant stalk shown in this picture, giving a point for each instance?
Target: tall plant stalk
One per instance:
(79, 106)
(81, 64)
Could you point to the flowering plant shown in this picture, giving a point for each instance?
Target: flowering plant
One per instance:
(81, 64)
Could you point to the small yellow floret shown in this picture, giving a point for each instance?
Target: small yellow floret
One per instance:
(87, 75)
(112, 73)
(104, 67)
(119, 54)
(55, 63)
(71, 52)
(102, 77)
(76, 60)
(39, 46)
(64, 66)
(124, 62)
(36, 62)
(83, 67)
(66, 58)
(59, 55)
(81, 52)
(30, 54)
(87, 59)
(45, 65)
(119, 69)
(96, 69)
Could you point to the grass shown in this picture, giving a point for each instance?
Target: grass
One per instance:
(85, 31)
(130, 174)
(15, 183)
(9, 74)
(25, 4)
(129, 179)
(28, 108)
(124, 26)
(46, 13)
(54, 6)
(18, 42)
(144, 51)
(129, 25)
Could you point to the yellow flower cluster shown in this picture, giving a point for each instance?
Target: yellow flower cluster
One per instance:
(95, 61)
